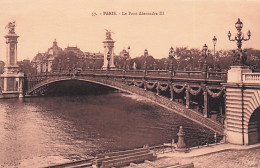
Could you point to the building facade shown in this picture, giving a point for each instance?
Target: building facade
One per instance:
(43, 61)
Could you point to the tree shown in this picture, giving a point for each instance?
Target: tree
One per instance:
(65, 61)
(188, 58)
(26, 67)
(141, 60)
(253, 57)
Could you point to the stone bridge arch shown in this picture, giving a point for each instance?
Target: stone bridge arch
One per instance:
(254, 127)
(123, 85)
(39, 86)
(252, 115)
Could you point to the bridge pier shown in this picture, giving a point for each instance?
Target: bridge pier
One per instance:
(187, 92)
(242, 100)
(158, 89)
(171, 92)
(205, 109)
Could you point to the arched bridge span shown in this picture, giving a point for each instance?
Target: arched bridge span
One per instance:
(149, 89)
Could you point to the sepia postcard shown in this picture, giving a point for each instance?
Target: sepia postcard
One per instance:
(130, 83)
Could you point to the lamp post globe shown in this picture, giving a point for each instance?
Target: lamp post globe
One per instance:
(239, 25)
(205, 52)
(214, 42)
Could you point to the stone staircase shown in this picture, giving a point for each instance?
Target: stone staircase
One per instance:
(123, 158)
(136, 158)
(75, 164)
(148, 164)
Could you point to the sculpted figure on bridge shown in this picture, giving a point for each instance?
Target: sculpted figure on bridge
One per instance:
(108, 34)
(11, 26)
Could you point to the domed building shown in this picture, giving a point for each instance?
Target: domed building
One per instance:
(43, 61)
(50, 55)
(37, 61)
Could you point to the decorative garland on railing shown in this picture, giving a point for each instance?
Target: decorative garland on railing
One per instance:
(176, 89)
(193, 91)
(139, 84)
(130, 82)
(213, 94)
(150, 85)
(163, 88)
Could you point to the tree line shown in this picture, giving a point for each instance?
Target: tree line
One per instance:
(184, 59)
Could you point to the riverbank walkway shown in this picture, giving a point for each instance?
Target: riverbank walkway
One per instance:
(210, 149)
(208, 156)
(211, 156)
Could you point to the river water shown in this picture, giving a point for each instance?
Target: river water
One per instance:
(41, 131)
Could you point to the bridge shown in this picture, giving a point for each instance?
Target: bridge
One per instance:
(196, 95)
(216, 100)
(226, 102)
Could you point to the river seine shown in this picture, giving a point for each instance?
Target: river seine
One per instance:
(41, 131)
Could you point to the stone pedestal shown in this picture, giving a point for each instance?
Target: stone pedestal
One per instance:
(235, 73)
(181, 145)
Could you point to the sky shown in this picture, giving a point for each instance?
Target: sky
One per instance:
(185, 23)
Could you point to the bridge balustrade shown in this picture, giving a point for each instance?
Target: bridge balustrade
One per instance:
(251, 77)
(221, 76)
(135, 72)
(189, 74)
(217, 75)
(161, 73)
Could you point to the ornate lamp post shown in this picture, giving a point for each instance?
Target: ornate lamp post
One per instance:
(94, 60)
(190, 57)
(239, 57)
(178, 64)
(125, 59)
(205, 53)
(128, 50)
(68, 63)
(82, 61)
(199, 62)
(165, 64)
(214, 42)
(171, 56)
(154, 66)
(145, 62)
